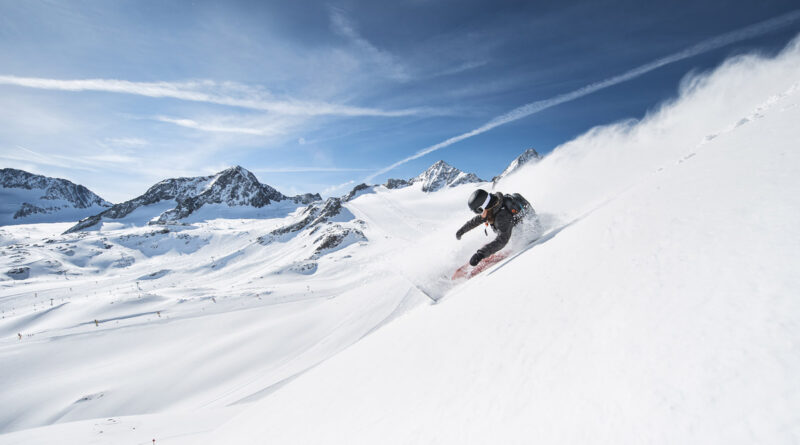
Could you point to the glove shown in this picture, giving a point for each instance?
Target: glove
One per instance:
(476, 259)
(458, 234)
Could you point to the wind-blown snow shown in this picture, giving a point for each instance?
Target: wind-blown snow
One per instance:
(659, 306)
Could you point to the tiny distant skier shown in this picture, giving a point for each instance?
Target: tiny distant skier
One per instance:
(501, 212)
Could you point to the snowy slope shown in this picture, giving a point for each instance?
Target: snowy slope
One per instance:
(662, 309)
(133, 320)
(659, 306)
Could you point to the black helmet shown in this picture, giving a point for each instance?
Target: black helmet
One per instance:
(479, 200)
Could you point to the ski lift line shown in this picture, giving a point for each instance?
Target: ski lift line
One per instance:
(711, 44)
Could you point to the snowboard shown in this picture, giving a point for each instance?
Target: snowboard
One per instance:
(466, 271)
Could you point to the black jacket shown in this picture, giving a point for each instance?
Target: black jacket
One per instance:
(501, 220)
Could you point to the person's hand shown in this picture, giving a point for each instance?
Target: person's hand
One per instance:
(458, 234)
(476, 259)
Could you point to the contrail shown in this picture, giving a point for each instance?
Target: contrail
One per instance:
(535, 107)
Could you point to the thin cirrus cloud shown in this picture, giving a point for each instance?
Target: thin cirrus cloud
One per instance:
(308, 170)
(540, 105)
(385, 61)
(334, 188)
(189, 123)
(207, 91)
(26, 155)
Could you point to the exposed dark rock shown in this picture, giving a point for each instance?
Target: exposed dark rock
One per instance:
(30, 209)
(335, 236)
(44, 199)
(396, 183)
(356, 191)
(234, 187)
(307, 198)
(19, 273)
(313, 216)
(52, 188)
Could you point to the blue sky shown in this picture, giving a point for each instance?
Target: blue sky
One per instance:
(319, 96)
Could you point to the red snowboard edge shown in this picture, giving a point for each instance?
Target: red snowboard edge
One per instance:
(466, 271)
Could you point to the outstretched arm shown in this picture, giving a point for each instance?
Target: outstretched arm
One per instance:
(469, 225)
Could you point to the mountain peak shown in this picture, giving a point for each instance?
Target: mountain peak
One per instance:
(441, 175)
(238, 169)
(529, 155)
(35, 198)
(234, 187)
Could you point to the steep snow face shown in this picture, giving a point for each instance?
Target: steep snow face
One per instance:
(529, 155)
(27, 198)
(441, 175)
(234, 187)
(660, 306)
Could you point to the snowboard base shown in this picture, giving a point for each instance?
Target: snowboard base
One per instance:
(466, 271)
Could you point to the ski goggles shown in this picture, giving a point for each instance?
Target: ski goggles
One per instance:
(478, 210)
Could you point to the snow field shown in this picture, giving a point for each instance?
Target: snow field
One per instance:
(659, 306)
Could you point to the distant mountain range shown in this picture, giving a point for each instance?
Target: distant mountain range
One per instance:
(438, 176)
(28, 198)
(234, 187)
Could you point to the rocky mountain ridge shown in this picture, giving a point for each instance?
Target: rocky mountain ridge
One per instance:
(438, 176)
(26, 194)
(234, 186)
(441, 175)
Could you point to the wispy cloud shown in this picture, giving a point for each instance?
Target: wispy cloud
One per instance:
(465, 66)
(111, 158)
(385, 61)
(535, 107)
(92, 163)
(125, 142)
(26, 155)
(189, 123)
(307, 170)
(207, 91)
(336, 188)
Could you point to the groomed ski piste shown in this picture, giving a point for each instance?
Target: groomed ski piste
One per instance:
(660, 304)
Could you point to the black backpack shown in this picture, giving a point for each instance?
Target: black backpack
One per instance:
(516, 204)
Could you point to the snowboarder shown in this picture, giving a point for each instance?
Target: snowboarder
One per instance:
(501, 212)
